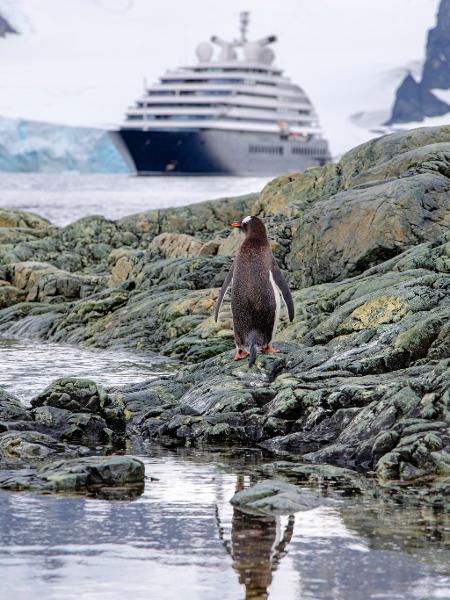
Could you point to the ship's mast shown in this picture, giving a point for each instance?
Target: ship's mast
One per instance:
(244, 21)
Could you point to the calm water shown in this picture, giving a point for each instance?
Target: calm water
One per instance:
(66, 197)
(27, 367)
(182, 538)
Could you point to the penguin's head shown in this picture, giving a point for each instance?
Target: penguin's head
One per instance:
(252, 226)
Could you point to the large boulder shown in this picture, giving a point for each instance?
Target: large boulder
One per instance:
(365, 367)
(357, 229)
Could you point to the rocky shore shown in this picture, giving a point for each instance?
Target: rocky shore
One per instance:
(363, 377)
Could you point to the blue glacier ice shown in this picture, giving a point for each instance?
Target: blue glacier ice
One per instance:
(30, 146)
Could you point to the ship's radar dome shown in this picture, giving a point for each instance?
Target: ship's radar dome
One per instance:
(252, 52)
(266, 56)
(204, 52)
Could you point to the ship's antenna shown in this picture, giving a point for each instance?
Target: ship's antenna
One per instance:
(245, 18)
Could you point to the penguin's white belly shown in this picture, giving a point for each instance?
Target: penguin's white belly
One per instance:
(276, 292)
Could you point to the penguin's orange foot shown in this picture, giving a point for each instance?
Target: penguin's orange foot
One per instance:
(240, 354)
(269, 349)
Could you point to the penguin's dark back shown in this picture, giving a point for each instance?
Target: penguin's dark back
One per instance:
(252, 298)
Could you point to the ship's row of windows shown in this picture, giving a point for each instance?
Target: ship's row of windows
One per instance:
(220, 106)
(132, 117)
(234, 70)
(265, 149)
(182, 92)
(178, 81)
(232, 81)
(308, 150)
(196, 117)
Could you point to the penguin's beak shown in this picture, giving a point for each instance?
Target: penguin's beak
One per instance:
(236, 225)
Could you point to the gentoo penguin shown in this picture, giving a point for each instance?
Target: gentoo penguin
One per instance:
(256, 282)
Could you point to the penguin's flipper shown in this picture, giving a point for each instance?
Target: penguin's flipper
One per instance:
(282, 285)
(223, 290)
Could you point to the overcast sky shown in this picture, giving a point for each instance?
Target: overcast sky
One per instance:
(83, 61)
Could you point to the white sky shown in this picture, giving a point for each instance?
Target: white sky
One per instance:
(83, 61)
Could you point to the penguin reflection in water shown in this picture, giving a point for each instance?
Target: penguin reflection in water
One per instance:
(257, 545)
(256, 284)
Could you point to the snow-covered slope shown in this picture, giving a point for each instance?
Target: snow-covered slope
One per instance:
(82, 62)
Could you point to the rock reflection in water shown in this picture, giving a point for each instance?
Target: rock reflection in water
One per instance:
(256, 547)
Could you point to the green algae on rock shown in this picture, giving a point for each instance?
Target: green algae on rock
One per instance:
(81, 411)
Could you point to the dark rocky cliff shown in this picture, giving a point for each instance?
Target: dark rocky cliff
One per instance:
(415, 100)
(5, 27)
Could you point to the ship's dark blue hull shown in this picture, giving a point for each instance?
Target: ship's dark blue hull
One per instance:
(217, 152)
(168, 152)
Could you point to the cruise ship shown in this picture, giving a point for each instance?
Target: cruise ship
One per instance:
(233, 113)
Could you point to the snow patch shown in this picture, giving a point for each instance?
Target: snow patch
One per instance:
(443, 95)
(427, 122)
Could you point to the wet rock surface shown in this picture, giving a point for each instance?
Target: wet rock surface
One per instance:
(92, 475)
(274, 497)
(363, 375)
(72, 417)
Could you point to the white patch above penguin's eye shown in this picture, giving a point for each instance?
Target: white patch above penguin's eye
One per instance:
(246, 220)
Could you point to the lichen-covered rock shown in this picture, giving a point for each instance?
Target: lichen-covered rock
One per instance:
(272, 497)
(230, 244)
(123, 262)
(25, 447)
(20, 218)
(356, 229)
(41, 282)
(210, 248)
(177, 245)
(11, 408)
(81, 396)
(9, 295)
(306, 472)
(93, 475)
(200, 220)
(82, 428)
